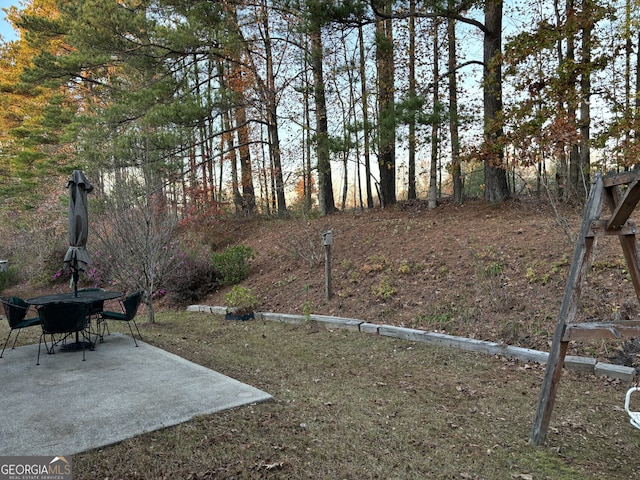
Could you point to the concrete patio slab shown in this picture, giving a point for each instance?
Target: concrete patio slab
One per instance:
(66, 406)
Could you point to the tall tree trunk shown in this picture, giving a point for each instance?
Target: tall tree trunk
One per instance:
(198, 136)
(238, 86)
(346, 108)
(307, 141)
(208, 138)
(365, 119)
(204, 173)
(433, 169)
(628, 50)
(637, 96)
(306, 151)
(495, 175)
(242, 131)
(272, 177)
(265, 179)
(232, 157)
(275, 159)
(221, 171)
(585, 97)
(326, 202)
(272, 118)
(246, 170)
(357, 202)
(193, 179)
(308, 194)
(411, 190)
(208, 144)
(345, 180)
(456, 170)
(562, 173)
(575, 176)
(228, 138)
(386, 107)
(352, 119)
(636, 114)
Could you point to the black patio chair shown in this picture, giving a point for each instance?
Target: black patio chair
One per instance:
(16, 310)
(95, 308)
(130, 306)
(98, 305)
(64, 319)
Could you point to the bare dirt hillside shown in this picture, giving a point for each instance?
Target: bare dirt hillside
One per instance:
(490, 272)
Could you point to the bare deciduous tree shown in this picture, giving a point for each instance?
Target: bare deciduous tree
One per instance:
(135, 236)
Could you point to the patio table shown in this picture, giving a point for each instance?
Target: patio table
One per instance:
(82, 296)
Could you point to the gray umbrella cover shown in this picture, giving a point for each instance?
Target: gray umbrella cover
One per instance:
(77, 258)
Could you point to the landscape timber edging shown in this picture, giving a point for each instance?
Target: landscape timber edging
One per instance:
(572, 362)
(207, 309)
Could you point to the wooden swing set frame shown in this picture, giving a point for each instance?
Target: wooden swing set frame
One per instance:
(621, 192)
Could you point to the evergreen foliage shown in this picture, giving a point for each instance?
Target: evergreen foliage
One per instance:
(196, 88)
(233, 264)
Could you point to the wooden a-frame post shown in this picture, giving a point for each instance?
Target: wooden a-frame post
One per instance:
(622, 193)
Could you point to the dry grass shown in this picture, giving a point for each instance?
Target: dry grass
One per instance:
(355, 406)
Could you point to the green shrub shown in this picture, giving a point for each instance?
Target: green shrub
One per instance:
(240, 300)
(9, 278)
(233, 264)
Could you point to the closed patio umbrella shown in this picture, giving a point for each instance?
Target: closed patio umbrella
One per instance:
(77, 258)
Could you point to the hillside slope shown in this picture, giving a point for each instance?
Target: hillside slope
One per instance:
(491, 272)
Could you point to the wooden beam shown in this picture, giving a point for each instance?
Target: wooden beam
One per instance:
(625, 207)
(613, 196)
(630, 249)
(623, 178)
(599, 227)
(598, 330)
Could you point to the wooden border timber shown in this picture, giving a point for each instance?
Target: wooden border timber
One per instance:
(621, 202)
(597, 330)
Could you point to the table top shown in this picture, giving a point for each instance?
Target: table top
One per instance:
(84, 296)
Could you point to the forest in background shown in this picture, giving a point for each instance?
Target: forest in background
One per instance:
(270, 105)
